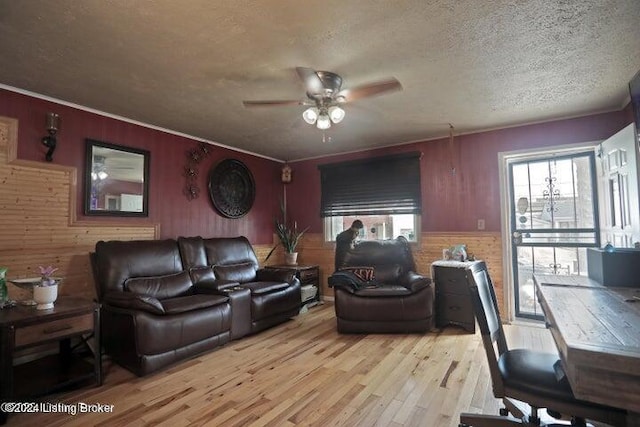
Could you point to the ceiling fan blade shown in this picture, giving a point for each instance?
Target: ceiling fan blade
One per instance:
(311, 80)
(371, 89)
(272, 103)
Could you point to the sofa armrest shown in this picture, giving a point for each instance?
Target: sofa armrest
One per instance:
(133, 301)
(275, 275)
(214, 287)
(414, 281)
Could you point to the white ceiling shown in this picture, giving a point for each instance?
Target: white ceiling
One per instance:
(187, 65)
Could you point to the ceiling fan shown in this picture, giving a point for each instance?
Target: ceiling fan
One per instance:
(325, 95)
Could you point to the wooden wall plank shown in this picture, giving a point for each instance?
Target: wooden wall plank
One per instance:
(486, 246)
(37, 203)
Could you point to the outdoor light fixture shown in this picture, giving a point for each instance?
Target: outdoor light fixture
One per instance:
(53, 122)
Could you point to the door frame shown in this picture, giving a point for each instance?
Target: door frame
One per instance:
(504, 159)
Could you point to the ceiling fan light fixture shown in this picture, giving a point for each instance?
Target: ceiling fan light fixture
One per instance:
(310, 115)
(336, 114)
(324, 122)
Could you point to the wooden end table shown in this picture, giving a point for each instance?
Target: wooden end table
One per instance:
(22, 327)
(309, 275)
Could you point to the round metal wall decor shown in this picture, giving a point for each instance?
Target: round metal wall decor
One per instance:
(232, 188)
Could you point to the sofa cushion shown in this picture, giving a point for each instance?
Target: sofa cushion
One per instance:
(192, 252)
(259, 288)
(116, 261)
(240, 273)
(160, 287)
(192, 302)
(200, 275)
(387, 273)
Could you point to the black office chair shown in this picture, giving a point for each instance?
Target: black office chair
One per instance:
(532, 377)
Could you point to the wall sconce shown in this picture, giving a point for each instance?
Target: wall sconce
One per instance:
(53, 122)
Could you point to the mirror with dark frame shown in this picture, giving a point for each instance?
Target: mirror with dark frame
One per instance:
(116, 180)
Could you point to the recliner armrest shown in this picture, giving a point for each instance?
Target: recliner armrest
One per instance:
(133, 301)
(275, 275)
(414, 281)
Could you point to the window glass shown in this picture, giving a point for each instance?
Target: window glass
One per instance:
(376, 227)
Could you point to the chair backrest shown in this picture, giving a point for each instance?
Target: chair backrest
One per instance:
(485, 305)
(375, 253)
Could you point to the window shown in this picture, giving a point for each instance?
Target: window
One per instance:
(383, 192)
(376, 227)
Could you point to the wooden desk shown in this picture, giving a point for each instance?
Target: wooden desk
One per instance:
(597, 333)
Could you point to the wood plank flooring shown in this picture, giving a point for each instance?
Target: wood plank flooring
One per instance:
(303, 373)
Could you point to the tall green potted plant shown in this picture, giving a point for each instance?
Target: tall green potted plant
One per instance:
(289, 238)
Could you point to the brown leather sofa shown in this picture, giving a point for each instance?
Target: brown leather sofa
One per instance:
(395, 300)
(167, 300)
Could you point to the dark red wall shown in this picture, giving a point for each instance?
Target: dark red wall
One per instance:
(167, 203)
(454, 202)
(450, 202)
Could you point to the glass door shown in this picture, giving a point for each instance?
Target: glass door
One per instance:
(554, 218)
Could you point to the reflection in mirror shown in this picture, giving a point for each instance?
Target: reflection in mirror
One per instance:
(116, 180)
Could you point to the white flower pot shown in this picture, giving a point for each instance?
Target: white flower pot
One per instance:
(45, 296)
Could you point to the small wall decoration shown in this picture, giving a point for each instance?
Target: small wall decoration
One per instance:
(194, 157)
(232, 188)
(285, 175)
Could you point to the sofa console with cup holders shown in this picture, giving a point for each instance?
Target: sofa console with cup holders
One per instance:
(167, 300)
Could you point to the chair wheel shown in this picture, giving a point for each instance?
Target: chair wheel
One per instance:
(504, 412)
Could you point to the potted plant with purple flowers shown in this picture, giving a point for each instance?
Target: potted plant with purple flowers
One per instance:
(46, 292)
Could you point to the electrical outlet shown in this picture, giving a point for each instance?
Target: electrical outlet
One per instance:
(481, 224)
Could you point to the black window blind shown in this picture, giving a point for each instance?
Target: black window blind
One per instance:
(376, 186)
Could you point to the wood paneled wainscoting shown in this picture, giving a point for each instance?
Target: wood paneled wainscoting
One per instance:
(486, 246)
(39, 227)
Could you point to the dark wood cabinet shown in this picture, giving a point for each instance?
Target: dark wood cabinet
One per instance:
(309, 276)
(22, 328)
(453, 304)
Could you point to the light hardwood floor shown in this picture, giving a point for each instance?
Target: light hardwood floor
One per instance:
(304, 373)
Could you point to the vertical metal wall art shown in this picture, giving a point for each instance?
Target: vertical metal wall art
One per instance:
(194, 157)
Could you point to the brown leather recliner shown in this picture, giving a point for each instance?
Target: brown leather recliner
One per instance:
(151, 314)
(395, 300)
(167, 300)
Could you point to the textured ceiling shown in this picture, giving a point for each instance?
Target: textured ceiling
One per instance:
(187, 65)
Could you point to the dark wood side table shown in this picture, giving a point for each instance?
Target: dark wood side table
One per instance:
(309, 276)
(22, 327)
(453, 303)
